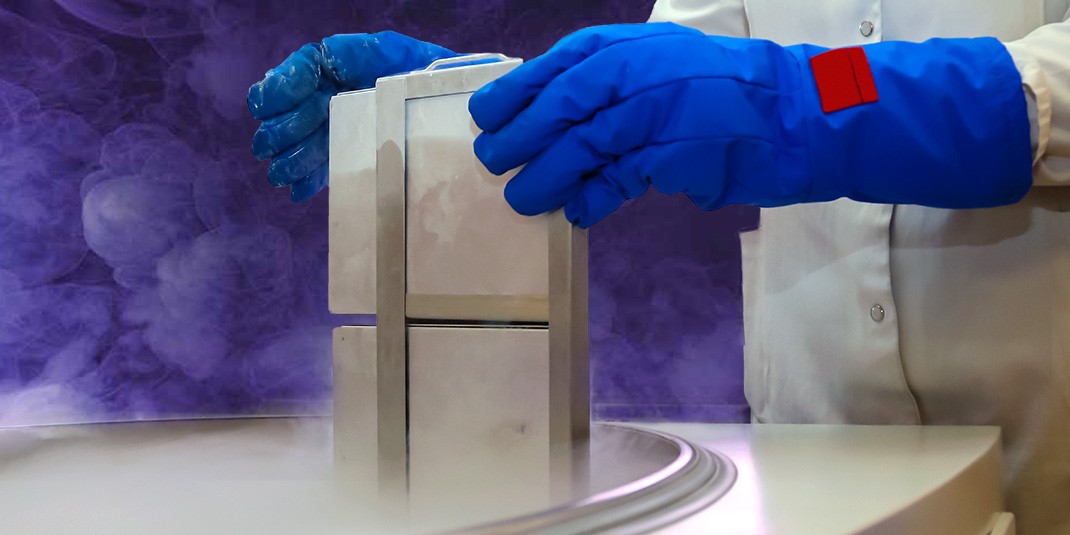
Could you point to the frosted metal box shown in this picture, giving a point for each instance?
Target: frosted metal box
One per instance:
(477, 367)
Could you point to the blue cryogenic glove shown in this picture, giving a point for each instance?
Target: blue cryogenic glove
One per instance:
(610, 110)
(293, 99)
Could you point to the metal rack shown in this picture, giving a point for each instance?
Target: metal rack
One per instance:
(542, 310)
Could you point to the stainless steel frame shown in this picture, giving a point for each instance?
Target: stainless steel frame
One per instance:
(525, 308)
(563, 311)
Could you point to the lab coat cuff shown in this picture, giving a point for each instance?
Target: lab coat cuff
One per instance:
(1037, 95)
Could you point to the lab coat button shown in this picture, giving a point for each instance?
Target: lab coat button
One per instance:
(866, 28)
(877, 313)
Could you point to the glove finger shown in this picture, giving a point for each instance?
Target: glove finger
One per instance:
(552, 178)
(308, 187)
(498, 102)
(300, 160)
(600, 196)
(355, 61)
(609, 133)
(287, 85)
(607, 79)
(557, 174)
(282, 132)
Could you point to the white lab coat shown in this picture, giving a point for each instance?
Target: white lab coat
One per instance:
(878, 314)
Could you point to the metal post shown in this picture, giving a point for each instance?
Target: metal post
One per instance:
(570, 402)
(391, 336)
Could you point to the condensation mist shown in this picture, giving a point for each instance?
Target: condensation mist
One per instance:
(148, 270)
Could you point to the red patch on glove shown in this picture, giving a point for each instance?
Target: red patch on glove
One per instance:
(843, 78)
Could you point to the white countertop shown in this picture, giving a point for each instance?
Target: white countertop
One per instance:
(269, 476)
(817, 479)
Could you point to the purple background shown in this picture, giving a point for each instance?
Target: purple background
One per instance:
(148, 271)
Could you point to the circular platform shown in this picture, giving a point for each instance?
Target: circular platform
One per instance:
(640, 481)
(275, 476)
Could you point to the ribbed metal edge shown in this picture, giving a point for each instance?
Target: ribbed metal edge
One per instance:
(697, 478)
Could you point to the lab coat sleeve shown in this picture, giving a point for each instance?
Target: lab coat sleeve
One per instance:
(714, 17)
(1043, 58)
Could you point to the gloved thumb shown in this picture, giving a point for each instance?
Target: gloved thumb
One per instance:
(355, 61)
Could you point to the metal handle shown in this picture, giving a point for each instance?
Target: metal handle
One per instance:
(444, 62)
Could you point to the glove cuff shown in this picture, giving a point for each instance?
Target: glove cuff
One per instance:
(945, 124)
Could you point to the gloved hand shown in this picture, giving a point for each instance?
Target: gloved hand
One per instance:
(610, 110)
(293, 99)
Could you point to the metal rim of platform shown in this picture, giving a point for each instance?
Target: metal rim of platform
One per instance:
(697, 478)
